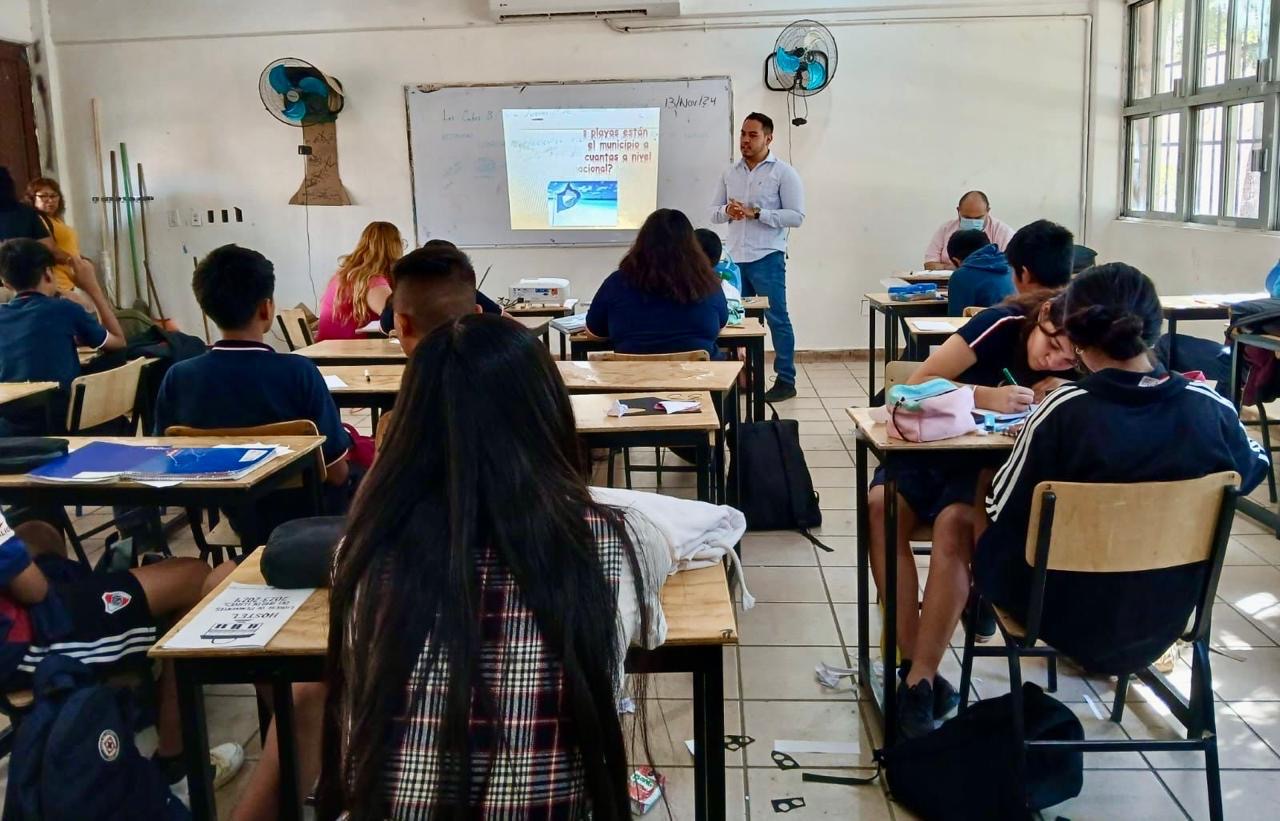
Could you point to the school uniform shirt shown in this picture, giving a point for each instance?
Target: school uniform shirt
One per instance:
(388, 318)
(38, 338)
(535, 767)
(243, 384)
(1111, 426)
(995, 337)
(638, 322)
(996, 231)
(982, 280)
(21, 221)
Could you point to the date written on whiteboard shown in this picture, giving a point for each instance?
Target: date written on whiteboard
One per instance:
(678, 102)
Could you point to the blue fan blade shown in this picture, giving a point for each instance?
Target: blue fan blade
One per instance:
(787, 63)
(279, 79)
(313, 85)
(295, 110)
(817, 76)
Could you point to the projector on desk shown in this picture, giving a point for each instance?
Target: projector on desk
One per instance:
(543, 290)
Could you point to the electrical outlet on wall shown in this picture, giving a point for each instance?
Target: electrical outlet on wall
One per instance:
(196, 219)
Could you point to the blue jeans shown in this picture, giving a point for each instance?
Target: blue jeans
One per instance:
(767, 277)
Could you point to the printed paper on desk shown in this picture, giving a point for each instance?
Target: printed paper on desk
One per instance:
(332, 381)
(675, 406)
(242, 615)
(934, 325)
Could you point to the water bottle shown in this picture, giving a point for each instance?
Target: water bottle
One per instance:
(1273, 281)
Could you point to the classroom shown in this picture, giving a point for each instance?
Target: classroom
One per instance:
(505, 409)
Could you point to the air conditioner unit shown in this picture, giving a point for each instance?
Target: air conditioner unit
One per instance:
(510, 11)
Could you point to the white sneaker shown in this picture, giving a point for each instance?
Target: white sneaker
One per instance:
(227, 759)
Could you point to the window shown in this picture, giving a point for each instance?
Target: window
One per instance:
(1199, 124)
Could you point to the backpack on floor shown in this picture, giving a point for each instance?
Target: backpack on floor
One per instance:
(74, 756)
(777, 491)
(963, 770)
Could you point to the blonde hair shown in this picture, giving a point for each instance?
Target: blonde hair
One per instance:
(378, 249)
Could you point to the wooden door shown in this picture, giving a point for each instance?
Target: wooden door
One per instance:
(19, 150)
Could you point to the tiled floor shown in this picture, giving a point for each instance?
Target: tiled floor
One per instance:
(806, 614)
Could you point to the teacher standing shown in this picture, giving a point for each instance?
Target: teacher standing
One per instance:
(760, 196)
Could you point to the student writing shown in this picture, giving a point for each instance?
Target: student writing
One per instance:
(981, 278)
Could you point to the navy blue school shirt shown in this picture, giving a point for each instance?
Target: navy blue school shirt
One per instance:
(243, 384)
(38, 338)
(1118, 427)
(642, 323)
(995, 337)
(388, 318)
(21, 221)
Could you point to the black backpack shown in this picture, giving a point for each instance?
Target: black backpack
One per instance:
(74, 756)
(777, 492)
(963, 769)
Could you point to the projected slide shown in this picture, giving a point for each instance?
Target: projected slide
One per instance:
(581, 168)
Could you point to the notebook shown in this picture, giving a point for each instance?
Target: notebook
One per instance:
(104, 461)
(570, 325)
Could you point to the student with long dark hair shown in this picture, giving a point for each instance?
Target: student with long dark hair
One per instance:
(665, 296)
(474, 652)
(1128, 420)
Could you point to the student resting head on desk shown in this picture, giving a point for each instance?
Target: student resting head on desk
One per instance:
(665, 296)
(1024, 337)
(472, 616)
(1041, 255)
(483, 303)
(1141, 424)
(243, 382)
(982, 276)
(39, 331)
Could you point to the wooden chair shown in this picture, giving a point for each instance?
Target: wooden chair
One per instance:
(221, 536)
(657, 467)
(973, 310)
(1124, 528)
(295, 327)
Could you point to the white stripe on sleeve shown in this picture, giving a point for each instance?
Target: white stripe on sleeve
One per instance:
(1007, 477)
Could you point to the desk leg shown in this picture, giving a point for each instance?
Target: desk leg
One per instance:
(891, 345)
(860, 468)
(704, 470)
(735, 423)
(1173, 342)
(871, 352)
(564, 347)
(286, 740)
(708, 733)
(756, 355)
(195, 742)
(1237, 388)
(720, 463)
(889, 595)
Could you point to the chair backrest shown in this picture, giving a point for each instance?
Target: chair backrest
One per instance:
(895, 373)
(384, 425)
(679, 356)
(973, 310)
(1118, 528)
(294, 326)
(98, 398)
(294, 427)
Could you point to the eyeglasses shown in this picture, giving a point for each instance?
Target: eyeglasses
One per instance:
(48, 195)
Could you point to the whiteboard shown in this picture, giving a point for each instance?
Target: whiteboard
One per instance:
(458, 161)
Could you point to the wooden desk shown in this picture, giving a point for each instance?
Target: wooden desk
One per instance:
(700, 623)
(537, 325)
(893, 312)
(86, 355)
(605, 376)
(1192, 307)
(354, 352)
(18, 391)
(749, 336)
(755, 306)
(1267, 515)
(529, 310)
(920, 337)
(939, 278)
(873, 438)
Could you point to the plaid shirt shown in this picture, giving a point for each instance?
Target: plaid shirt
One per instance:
(535, 770)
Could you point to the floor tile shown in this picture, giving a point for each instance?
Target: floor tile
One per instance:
(1263, 545)
(812, 442)
(768, 721)
(787, 673)
(806, 414)
(842, 583)
(1263, 717)
(777, 548)
(844, 551)
(791, 625)
(786, 584)
(1239, 747)
(1245, 795)
(680, 685)
(1231, 629)
(833, 801)
(832, 477)
(1134, 795)
(838, 523)
(670, 724)
(1256, 678)
(828, 459)
(680, 795)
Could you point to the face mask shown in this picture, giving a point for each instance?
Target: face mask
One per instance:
(967, 224)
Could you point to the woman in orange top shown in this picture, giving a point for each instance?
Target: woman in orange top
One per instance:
(45, 195)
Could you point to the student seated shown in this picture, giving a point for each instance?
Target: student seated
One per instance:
(973, 212)
(357, 293)
(242, 382)
(982, 277)
(728, 271)
(1024, 337)
(483, 303)
(107, 621)
(665, 296)
(1040, 254)
(1141, 424)
(39, 331)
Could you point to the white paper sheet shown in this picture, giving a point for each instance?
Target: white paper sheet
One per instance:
(332, 381)
(829, 675)
(675, 406)
(242, 615)
(934, 325)
(374, 327)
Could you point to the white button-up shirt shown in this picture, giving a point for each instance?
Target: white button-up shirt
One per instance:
(774, 187)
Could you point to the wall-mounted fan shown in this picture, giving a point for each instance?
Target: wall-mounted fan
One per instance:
(299, 94)
(803, 61)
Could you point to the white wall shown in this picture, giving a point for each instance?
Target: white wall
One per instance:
(176, 81)
(15, 21)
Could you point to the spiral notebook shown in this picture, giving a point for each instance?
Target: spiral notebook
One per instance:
(106, 461)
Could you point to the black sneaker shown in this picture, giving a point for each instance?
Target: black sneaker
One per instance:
(915, 709)
(945, 697)
(985, 630)
(780, 392)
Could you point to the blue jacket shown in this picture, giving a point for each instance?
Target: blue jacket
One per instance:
(982, 280)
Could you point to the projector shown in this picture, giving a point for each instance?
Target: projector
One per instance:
(546, 290)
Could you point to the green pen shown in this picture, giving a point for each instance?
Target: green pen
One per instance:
(1009, 377)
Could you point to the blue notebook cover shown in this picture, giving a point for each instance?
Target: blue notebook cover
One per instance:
(152, 461)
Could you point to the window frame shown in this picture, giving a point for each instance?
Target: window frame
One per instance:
(1188, 98)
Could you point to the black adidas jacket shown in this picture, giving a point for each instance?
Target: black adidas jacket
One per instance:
(1112, 426)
